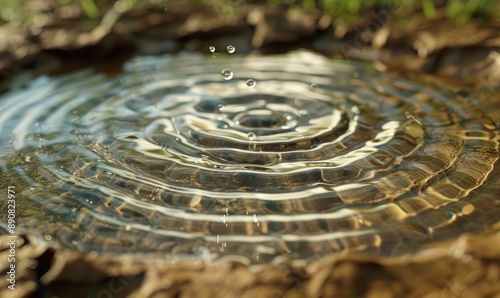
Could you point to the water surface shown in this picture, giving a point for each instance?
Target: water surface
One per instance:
(314, 156)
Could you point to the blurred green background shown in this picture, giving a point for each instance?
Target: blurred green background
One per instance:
(39, 11)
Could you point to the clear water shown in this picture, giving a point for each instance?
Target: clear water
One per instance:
(295, 155)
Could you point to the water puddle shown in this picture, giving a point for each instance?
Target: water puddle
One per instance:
(294, 155)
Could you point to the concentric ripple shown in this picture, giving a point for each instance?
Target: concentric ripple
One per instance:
(315, 157)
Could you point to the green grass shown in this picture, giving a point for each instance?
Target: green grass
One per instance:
(343, 10)
(458, 10)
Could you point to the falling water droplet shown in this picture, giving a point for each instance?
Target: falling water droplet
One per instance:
(221, 107)
(251, 83)
(211, 49)
(231, 49)
(227, 74)
(251, 136)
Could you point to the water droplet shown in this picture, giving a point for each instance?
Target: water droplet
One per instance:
(48, 237)
(314, 86)
(231, 49)
(251, 136)
(227, 74)
(128, 227)
(356, 74)
(211, 49)
(221, 107)
(303, 112)
(251, 83)
(74, 242)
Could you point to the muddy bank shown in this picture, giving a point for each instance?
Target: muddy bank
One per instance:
(65, 39)
(467, 267)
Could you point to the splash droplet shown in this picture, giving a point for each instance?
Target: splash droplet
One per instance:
(231, 49)
(251, 83)
(211, 49)
(251, 136)
(227, 74)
